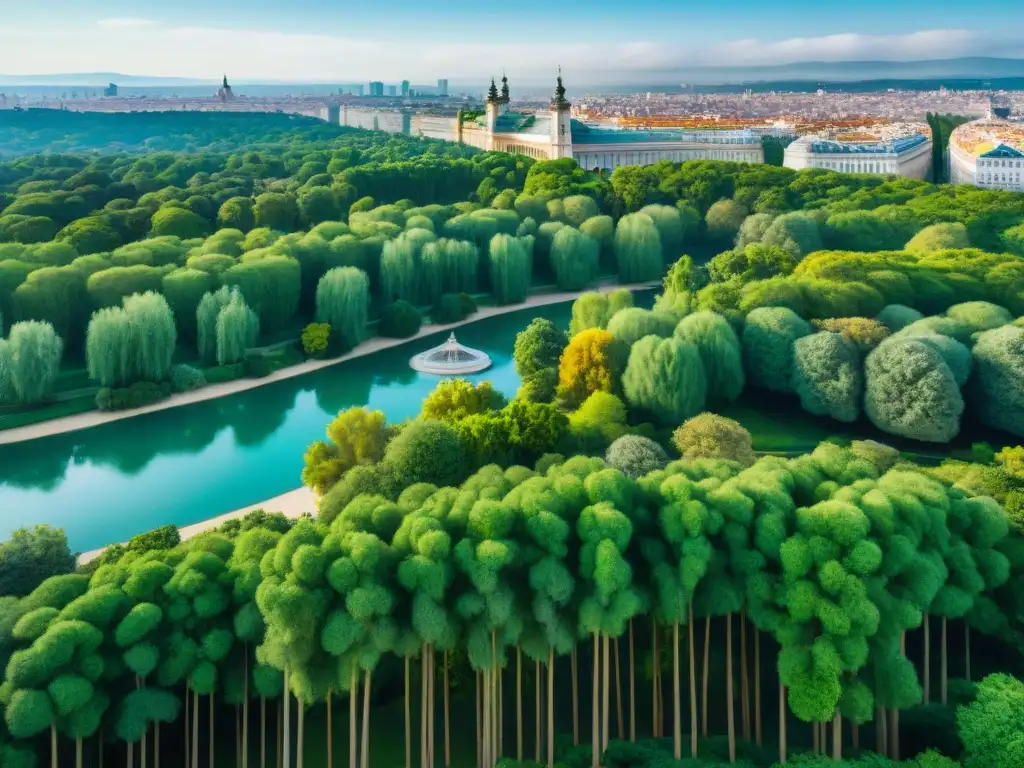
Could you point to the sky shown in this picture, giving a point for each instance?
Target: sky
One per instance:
(348, 41)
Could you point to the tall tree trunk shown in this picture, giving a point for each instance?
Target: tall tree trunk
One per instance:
(245, 714)
(238, 736)
(287, 743)
(677, 727)
(537, 712)
(447, 717)
(595, 728)
(101, 743)
(731, 714)
(927, 660)
(837, 737)
(618, 692)
(606, 689)
(78, 753)
(330, 733)
(486, 710)
(655, 678)
(279, 751)
(479, 723)
(944, 670)
(894, 734)
(704, 677)
(782, 723)
(575, 699)
(519, 704)
(744, 677)
(301, 741)
(212, 731)
(188, 719)
(815, 738)
(353, 703)
(53, 747)
(195, 730)
(855, 735)
(881, 731)
(693, 683)
(632, 686)
(501, 710)
(433, 698)
(967, 650)
(263, 732)
(130, 748)
(551, 707)
(408, 713)
(366, 720)
(757, 687)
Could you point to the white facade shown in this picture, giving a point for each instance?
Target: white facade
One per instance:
(910, 157)
(988, 153)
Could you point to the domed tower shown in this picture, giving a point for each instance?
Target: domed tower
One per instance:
(225, 93)
(493, 107)
(561, 122)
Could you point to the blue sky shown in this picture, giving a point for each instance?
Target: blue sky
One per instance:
(328, 40)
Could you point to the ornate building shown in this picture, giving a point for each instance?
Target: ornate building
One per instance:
(224, 93)
(988, 153)
(903, 154)
(556, 134)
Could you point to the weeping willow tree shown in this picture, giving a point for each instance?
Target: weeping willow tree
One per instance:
(449, 266)
(638, 249)
(153, 333)
(32, 360)
(206, 323)
(400, 265)
(237, 330)
(108, 347)
(574, 259)
(343, 301)
(511, 261)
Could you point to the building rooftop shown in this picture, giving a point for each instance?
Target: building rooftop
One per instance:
(986, 138)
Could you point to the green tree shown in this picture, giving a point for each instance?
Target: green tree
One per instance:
(574, 259)
(538, 347)
(827, 376)
(665, 377)
(271, 286)
(30, 557)
(426, 451)
(720, 352)
(724, 219)
(343, 301)
(999, 357)
(179, 222)
(32, 360)
(939, 237)
(991, 725)
(710, 436)
(594, 309)
(354, 436)
(238, 328)
(275, 211)
(236, 213)
(153, 335)
(109, 287)
(184, 289)
(632, 324)
(511, 267)
(768, 338)
(206, 323)
(455, 399)
(638, 249)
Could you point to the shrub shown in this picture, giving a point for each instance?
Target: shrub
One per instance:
(796, 233)
(600, 420)
(724, 219)
(768, 337)
(636, 456)
(540, 386)
(979, 315)
(426, 451)
(956, 355)
(998, 395)
(454, 399)
(185, 378)
(593, 361)
(137, 395)
(632, 324)
(881, 455)
(449, 309)
(827, 376)
(991, 727)
(709, 436)
(574, 259)
(538, 346)
(665, 377)
(355, 436)
(911, 392)
(753, 228)
(316, 339)
(399, 320)
(720, 352)
(866, 334)
(594, 309)
(511, 267)
(939, 237)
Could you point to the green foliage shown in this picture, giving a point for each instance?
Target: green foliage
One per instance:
(135, 396)
(594, 309)
(720, 353)
(355, 436)
(991, 726)
(455, 399)
(896, 317)
(32, 555)
(710, 436)
(152, 333)
(29, 362)
(186, 378)
(827, 376)
(574, 259)
(638, 249)
(635, 456)
(754, 261)
(426, 451)
(911, 392)
(723, 220)
(399, 320)
(768, 338)
(939, 237)
(538, 347)
(184, 289)
(665, 377)
(632, 324)
(511, 267)
(206, 322)
(109, 287)
(343, 302)
(177, 222)
(270, 286)
(593, 361)
(316, 339)
(998, 396)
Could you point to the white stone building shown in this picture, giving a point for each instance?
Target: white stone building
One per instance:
(556, 134)
(988, 153)
(909, 155)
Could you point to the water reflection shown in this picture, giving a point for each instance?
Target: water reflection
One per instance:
(185, 464)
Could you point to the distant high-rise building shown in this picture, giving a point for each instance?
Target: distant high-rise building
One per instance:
(110, 91)
(405, 88)
(225, 93)
(412, 92)
(392, 90)
(376, 88)
(442, 87)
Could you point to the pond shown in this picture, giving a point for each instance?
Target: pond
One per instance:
(182, 465)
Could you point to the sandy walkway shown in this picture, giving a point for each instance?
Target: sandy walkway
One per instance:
(292, 504)
(375, 344)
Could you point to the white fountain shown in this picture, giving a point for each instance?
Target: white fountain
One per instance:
(450, 359)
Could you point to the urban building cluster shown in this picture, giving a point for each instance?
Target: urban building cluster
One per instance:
(988, 153)
(900, 148)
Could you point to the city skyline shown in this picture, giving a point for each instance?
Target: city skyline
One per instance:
(594, 42)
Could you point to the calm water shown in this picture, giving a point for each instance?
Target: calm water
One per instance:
(186, 464)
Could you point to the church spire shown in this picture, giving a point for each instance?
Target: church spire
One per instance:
(226, 80)
(492, 93)
(559, 101)
(504, 88)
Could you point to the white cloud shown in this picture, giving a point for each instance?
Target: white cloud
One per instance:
(124, 23)
(252, 55)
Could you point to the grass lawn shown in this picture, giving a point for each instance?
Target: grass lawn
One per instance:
(69, 407)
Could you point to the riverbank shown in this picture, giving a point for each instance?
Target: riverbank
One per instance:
(293, 505)
(213, 391)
